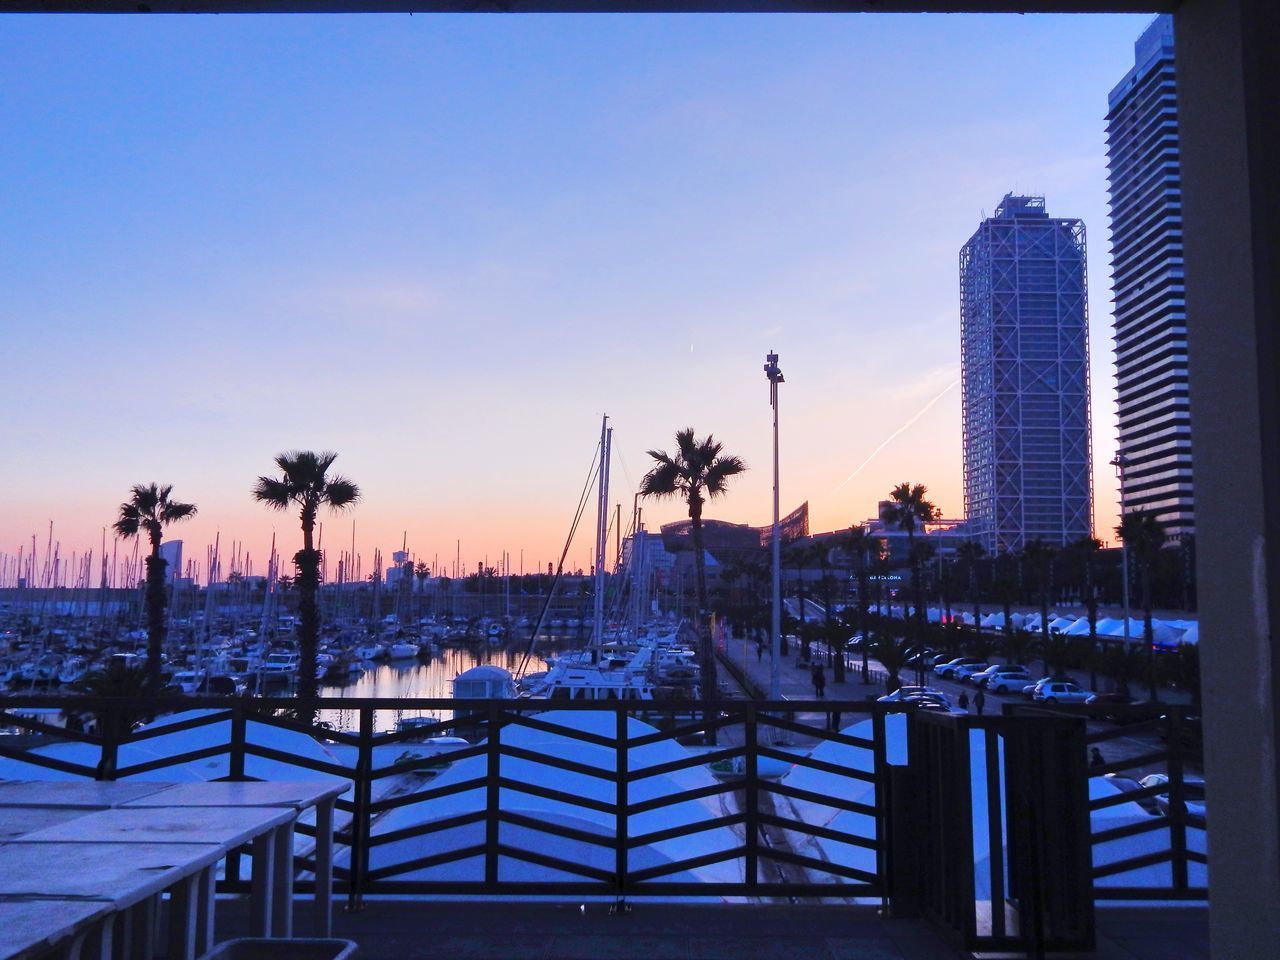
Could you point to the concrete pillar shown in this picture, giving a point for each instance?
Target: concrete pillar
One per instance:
(1228, 97)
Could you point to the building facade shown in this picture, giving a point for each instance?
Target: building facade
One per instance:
(1149, 285)
(1025, 369)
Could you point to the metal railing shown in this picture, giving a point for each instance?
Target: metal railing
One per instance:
(640, 814)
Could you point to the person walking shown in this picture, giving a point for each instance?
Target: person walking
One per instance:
(979, 701)
(819, 682)
(964, 701)
(759, 649)
(1096, 759)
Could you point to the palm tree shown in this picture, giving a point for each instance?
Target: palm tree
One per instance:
(909, 510)
(149, 508)
(969, 553)
(1085, 550)
(698, 471)
(1041, 554)
(858, 545)
(1143, 536)
(892, 654)
(305, 484)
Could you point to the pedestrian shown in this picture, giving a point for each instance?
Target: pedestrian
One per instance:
(819, 681)
(759, 649)
(979, 701)
(964, 701)
(1096, 758)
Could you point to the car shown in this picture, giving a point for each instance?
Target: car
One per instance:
(1192, 794)
(1007, 681)
(966, 670)
(1061, 691)
(949, 668)
(1101, 700)
(928, 701)
(908, 690)
(920, 659)
(980, 678)
(1029, 691)
(1127, 784)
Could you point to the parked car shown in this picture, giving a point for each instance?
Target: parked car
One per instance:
(980, 678)
(1010, 681)
(908, 690)
(929, 701)
(949, 668)
(920, 659)
(1030, 690)
(1192, 793)
(1060, 691)
(966, 670)
(1127, 784)
(1101, 700)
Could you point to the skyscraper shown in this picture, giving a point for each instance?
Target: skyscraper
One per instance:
(1147, 273)
(1025, 367)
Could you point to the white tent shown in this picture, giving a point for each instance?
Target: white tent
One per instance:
(1078, 629)
(1063, 624)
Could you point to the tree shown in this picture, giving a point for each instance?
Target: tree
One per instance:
(150, 509)
(306, 484)
(697, 471)
(908, 510)
(423, 573)
(1041, 554)
(1085, 552)
(969, 553)
(860, 547)
(1143, 536)
(892, 654)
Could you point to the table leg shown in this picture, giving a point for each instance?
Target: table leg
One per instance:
(137, 932)
(282, 892)
(184, 901)
(261, 885)
(208, 898)
(324, 870)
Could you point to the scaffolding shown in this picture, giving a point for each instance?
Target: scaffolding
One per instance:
(1025, 368)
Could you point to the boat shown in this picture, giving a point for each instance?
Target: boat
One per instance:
(279, 667)
(401, 650)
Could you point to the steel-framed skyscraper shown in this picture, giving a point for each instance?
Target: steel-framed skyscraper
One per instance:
(1150, 286)
(1025, 368)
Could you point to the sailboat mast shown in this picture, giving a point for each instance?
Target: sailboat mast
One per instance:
(602, 527)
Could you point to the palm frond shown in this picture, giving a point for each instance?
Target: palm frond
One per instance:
(340, 493)
(664, 480)
(275, 493)
(720, 470)
(174, 510)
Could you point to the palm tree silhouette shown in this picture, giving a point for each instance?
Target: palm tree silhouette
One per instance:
(149, 508)
(1143, 533)
(860, 547)
(306, 485)
(697, 471)
(969, 553)
(909, 510)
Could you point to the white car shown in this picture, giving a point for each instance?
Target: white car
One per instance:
(966, 670)
(1058, 691)
(980, 678)
(951, 666)
(1008, 681)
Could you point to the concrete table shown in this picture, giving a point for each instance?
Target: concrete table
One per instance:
(32, 928)
(88, 794)
(269, 829)
(18, 821)
(298, 795)
(126, 877)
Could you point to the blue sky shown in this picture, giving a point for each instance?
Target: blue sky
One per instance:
(444, 245)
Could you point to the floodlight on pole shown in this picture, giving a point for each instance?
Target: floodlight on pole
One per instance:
(1120, 462)
(774, 374)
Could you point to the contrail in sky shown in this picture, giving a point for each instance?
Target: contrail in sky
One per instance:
(889, 439)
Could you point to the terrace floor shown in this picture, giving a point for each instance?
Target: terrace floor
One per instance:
(422, 930)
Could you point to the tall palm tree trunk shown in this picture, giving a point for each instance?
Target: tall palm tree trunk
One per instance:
(706, 649)
(155, 601)
(308, 563)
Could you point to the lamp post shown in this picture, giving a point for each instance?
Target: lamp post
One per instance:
(1120, 462)
(775, 628)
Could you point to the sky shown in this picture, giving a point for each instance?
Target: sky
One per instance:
(444, 246)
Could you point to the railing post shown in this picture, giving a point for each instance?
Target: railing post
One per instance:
(239, 736)
(493, 796)
(621, 797)
(360, 818)
(1177, 799)
(110, 719)
(751, 734)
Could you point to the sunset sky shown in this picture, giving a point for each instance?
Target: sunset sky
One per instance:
(443, 246)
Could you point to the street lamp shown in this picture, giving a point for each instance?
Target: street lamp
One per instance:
(775, 629)
(1120, 462)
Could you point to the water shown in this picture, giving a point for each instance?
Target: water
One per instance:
(432, 679)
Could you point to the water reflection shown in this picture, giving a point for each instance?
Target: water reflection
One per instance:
(427, 679)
